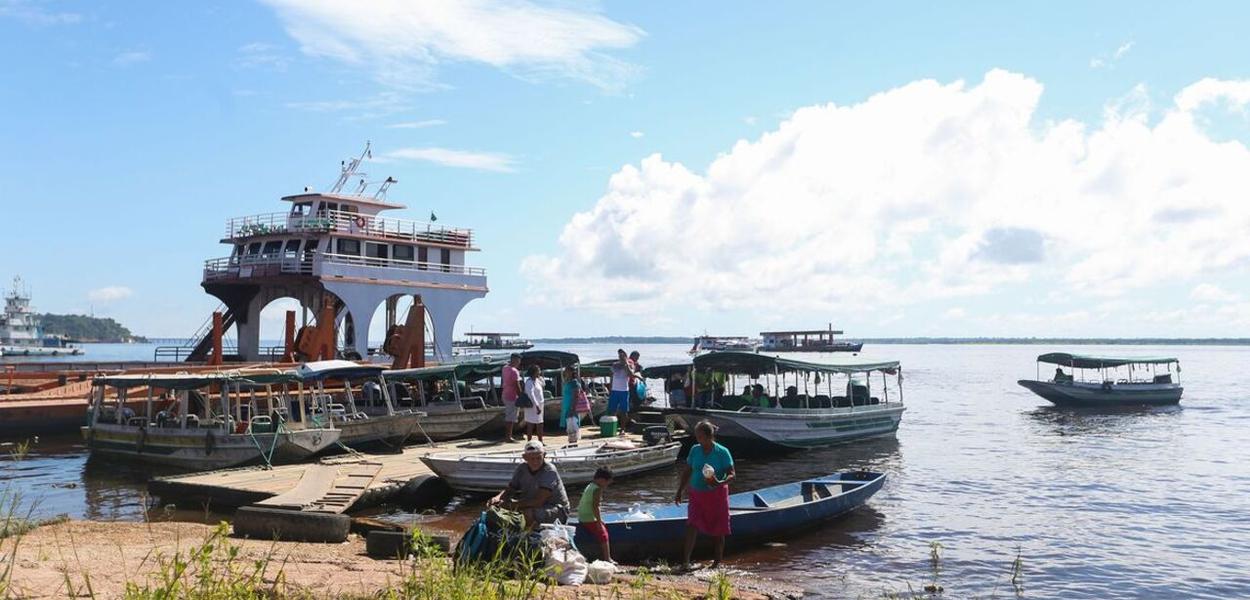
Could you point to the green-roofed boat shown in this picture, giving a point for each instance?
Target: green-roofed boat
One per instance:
(786, 403)
(1101, 381)
(204, 421)
(445, 394)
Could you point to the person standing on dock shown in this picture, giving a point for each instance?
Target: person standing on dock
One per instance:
(618, 397)
(533, 409)
(708, 470)
(511, 378)
(536, 490)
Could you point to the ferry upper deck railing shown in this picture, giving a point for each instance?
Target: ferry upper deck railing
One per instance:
(338, 221)
(294, 264)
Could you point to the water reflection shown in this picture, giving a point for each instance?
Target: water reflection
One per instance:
(1098, 421)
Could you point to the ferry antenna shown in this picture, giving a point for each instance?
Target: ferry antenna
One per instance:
(349, 170)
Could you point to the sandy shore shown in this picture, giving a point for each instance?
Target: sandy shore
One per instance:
(63, 560)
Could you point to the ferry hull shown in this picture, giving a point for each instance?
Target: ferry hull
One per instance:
(200, 450)
(1094, 395)
(795, 428)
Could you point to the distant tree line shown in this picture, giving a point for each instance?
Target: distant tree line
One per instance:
(87, 329)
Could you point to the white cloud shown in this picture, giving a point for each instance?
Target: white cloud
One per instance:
(379, 105)
(925, 191)
(404, 42)
(417, 124)
(955, 313)
(133, 57)
(749, 120)
(32, 13)
(482, 161)
(1207, 292)
(110, 293)
(1105, 61)
(261, 54)
(636, 134)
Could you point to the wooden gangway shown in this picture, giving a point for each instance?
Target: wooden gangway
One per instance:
(335, 484)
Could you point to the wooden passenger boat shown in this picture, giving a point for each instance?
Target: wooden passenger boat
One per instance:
(437, 392)
(788, 419)
(755, 517)
(369, 418)
(491, 472)
(204, 421)
(1106, 381)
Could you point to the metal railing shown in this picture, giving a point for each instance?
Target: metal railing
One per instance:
(181, 353)
(262, 265)
(348, 222)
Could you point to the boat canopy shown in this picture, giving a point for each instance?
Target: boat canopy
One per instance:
(1085, 361)
(463, 371)
(343, 369)
(191, 381)
(754, 364)
(548, 359)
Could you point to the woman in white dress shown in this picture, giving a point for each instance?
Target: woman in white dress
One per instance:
(534, 412)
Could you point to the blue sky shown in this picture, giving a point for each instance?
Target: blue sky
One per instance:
(981, 168)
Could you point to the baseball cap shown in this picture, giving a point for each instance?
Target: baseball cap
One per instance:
(533, 446)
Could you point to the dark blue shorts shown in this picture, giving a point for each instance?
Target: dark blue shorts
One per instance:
(618, 402)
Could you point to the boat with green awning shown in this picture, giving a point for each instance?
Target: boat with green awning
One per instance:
(784, 402)
(1096, 381)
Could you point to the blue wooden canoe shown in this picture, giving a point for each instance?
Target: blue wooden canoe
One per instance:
(758, 516)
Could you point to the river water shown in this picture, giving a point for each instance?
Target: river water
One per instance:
(1148, 503)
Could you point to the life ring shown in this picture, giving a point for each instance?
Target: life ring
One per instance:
(361, 222)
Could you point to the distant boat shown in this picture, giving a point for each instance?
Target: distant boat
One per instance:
(799, 407)
(20, 330)
(494, 341)
(715, 343)
(755, 517)
(811, 340)
(1116, 380)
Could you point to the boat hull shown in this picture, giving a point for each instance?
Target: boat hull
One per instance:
(454, 422)
(1095, 395)
(39, 351)
(489, 473)
(795, 428)
(756, 517)
(383, 430)
(199, 450)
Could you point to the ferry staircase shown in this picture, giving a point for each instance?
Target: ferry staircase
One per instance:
(201, 342)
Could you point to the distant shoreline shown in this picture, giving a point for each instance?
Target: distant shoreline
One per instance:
(1024, 341)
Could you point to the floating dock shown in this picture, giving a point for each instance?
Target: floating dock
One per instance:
(338, 483)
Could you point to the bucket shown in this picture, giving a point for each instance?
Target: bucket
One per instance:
(607, 426)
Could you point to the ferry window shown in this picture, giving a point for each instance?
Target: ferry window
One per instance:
(350, 247)
(292, 247)
(402, 252)
(272, 248)
(310, 246)
(423, 256)
(253, 248)
(376, 250)
(351, 208)
(300, 209)
(445, 259)
(330, 206)
(238, 250)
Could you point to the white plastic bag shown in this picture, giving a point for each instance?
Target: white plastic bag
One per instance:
(565, 565)
(600, 572)
(574, 426)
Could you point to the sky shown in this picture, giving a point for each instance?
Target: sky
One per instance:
(646, 168)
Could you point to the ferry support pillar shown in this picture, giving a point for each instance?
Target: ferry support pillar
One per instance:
(288, 341)
(216, 357)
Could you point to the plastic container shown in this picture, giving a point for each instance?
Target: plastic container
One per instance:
(607, 426)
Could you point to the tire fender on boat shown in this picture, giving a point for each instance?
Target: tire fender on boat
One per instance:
(210, 443)
(264, 523)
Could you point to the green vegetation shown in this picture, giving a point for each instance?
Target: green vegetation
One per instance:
(87, 329)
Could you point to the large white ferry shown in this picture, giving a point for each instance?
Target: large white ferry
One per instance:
(20, 330)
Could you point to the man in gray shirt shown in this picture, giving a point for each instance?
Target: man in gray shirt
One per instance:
(535, 490)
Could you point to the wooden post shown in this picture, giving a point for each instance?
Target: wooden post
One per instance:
(417, 321)
(216, 358)
(288, 342)
(328, 342)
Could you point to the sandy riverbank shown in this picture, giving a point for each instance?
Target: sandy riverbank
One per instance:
(65, 559)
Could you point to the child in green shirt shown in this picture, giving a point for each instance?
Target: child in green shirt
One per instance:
(588, 516)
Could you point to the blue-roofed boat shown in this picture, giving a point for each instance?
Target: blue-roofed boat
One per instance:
(756, 517)
(1103, 381)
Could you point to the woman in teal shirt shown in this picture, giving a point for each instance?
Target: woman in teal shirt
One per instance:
(708, 470)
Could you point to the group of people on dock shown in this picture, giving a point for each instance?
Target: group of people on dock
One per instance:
(537, 491)
(523, 397)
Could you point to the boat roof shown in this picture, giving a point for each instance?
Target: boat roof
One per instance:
(755, 364)
(548, 359)
(362, 200)
(190, 381)
(665, 371)
(1088, 361)
(323, 369)
(804, 332)
(489, 334)
(462, 370)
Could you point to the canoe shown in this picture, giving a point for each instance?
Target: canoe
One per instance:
(491, 472)
(758, 516)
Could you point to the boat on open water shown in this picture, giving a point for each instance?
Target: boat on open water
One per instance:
(787, 403)
(1101, 381)
(755, 517)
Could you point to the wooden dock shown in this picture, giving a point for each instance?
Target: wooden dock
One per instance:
(334, 484)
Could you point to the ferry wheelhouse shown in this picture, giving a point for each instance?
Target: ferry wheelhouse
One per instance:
(1107, 380)
(336, 249)
(786, 403)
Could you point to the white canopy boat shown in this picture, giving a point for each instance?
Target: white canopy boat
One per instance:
(491, 472)
(436, 392)
(815, 417)
(1107, 380)
(203, 421)
(369, 419)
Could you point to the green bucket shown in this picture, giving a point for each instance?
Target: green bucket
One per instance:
(607, 426)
